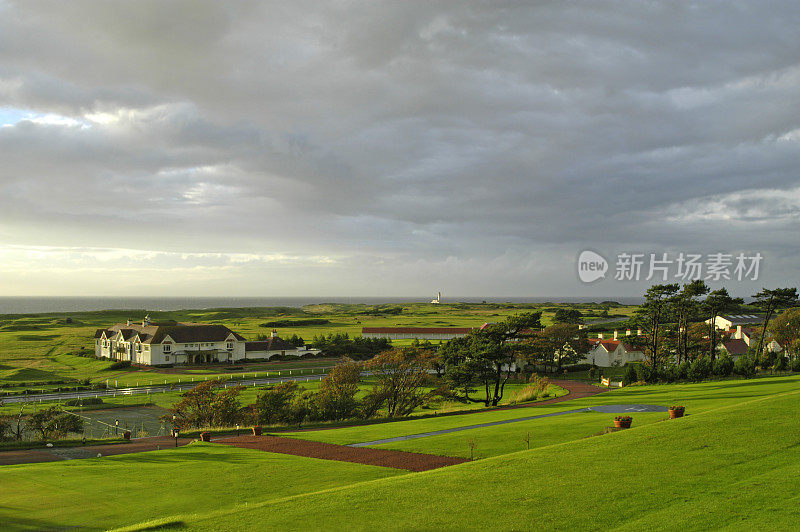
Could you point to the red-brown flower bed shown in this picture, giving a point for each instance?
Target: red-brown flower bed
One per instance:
(342, 453)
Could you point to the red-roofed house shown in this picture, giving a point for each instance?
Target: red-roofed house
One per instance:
(606, 353)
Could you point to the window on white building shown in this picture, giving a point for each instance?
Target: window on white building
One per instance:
(167, 348)
(166, 357)
(229, 345)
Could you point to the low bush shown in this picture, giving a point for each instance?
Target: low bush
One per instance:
(630, 375)
(644, 373)
(795, 364)
(121, 364)
(700, 369)
(745, 366)
(538, 388)
(295, 323)
(578, 367)
(723, 366)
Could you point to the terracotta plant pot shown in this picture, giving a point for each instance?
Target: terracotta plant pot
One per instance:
(676, 412)
(126, 435)
(256, 431)
(620, 424)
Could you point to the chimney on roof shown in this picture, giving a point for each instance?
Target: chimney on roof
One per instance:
(627, 332)
(274, 333)
(600, 335)
(738, 334)
(129, 323)
(615, 334)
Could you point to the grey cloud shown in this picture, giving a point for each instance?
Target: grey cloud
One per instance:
(437, 137)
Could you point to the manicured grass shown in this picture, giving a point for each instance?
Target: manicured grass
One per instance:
(733, 467)
(502, 439)
(97, 494)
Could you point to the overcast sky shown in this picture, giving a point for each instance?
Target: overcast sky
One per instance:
(391, 148)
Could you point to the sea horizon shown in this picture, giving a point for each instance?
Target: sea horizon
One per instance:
(46, 304)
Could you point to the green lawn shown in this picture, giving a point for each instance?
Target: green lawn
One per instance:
(734, 467)
(97, 494)
(502, 439)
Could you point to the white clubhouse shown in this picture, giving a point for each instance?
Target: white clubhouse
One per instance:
(163, 343)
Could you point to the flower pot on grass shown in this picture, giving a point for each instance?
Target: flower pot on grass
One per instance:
(256, 431)
(623, 422)
(676, 411)
(205, 436)
(126, 435)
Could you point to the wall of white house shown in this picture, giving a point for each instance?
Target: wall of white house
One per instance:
(168, 352)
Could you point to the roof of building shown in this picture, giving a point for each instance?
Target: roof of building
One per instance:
(609, 345)
(416, 330)
(180, 333)
(735, 346)
(273, 343)
(743, 319)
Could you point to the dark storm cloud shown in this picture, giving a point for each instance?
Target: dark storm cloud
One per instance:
(477, 147)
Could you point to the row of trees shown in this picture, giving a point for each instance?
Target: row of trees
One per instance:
(341, 345)
(49, 424)
(402, 377)
(672, 316)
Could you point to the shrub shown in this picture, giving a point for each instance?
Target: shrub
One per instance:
(593, 373)
(537, 388)
(795, 365)
(684, 369)
(630, 375)
(578, 367)
(780, 363)
(768, 359)
(644, 373)
(700, 369)
(121, 364)
(723, 366)
(745, 366)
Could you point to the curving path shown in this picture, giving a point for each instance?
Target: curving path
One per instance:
(608, 409)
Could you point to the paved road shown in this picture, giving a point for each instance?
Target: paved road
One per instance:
(143, 390)
(607, 409)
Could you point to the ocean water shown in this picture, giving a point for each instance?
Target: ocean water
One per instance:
(31, 305)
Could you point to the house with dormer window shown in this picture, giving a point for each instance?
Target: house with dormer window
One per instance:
(169, 342)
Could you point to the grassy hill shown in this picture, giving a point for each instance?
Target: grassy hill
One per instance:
(734, 467)
(504, 439)
(732, 462)
(95, 494)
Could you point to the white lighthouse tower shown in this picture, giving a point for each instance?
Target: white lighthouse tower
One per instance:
(438, 298)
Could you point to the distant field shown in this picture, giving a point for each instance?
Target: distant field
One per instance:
(734, 467)
(35, 348)
(97, 494)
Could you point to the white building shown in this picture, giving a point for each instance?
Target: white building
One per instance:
(730, 321)
(607, 353)
(151, 343)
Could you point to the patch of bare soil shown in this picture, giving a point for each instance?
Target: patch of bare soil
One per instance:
(342, 453)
